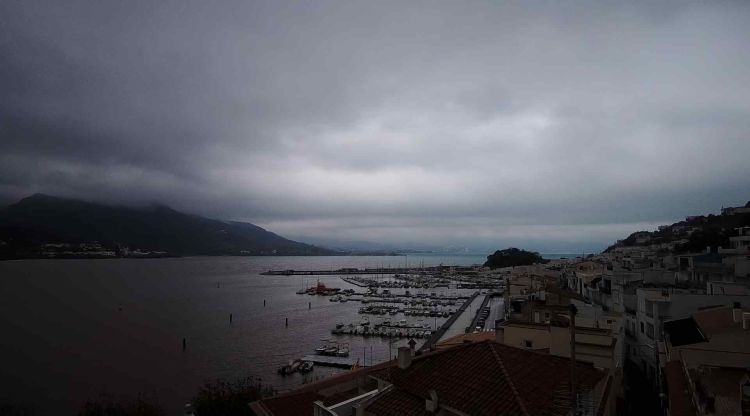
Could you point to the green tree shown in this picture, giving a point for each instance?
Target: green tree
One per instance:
(511, 257)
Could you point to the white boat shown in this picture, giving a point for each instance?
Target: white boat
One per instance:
(343, 351)
(322, 348)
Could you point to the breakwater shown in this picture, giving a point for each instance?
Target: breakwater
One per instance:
(436, 335)
(347, 271)
(481, 314)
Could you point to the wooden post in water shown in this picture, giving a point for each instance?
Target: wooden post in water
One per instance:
(264, 303)
(230, 318)
(309, 305)
(286, 321)
(184, 344)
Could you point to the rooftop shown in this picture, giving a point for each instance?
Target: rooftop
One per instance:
(464, 338)
(300, 401)
(562, 323)
(488, 378)
(715, 321)
(478, 378)
(683, 332)
(718, 389)
(680, 401)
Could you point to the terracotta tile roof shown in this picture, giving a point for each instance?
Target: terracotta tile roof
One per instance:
(702, 326)
(398, 403)
(680, 402)
(723, 385)
(290, 404)
(479, 378)
(716, 320)
(487, 378)
(463, 338)
(300, 401)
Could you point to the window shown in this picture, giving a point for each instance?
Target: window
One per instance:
(528, 343)
(609, 321)
(642, 327)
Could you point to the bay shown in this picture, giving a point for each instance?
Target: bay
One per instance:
(74, 329)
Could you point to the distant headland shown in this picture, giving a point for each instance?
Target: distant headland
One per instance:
(43, 226)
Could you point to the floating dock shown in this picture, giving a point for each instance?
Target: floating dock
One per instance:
(354, 282)
(329, 361)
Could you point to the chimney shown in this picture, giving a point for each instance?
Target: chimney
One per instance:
(431, 404)
(745, 319)
(404, 357)
(736, 312)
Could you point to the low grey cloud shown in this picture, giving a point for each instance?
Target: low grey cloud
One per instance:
(556, 126)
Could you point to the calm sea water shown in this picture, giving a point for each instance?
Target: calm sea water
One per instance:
(74, 329)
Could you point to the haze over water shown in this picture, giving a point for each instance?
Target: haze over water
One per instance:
(73, 329)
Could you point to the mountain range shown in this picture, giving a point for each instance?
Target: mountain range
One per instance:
(40, 221)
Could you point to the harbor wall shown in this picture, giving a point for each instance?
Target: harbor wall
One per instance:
(433, 339)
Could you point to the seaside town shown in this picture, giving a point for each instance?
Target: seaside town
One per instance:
(377, 208)
(645, 327)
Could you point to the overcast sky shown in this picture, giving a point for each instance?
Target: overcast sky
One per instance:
(556, 126)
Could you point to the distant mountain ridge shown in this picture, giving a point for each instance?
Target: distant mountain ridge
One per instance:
(693, 234)
(42, 219)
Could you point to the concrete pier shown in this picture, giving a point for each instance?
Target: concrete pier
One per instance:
(477, 312)
(463, 318)
(324, 360)
(346, 271)
(454, 324)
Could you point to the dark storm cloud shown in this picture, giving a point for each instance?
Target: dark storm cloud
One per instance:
(553, 125)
